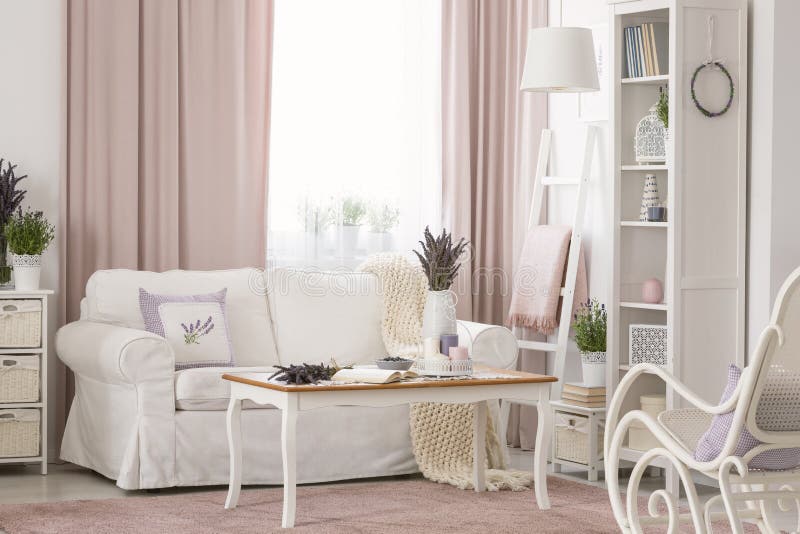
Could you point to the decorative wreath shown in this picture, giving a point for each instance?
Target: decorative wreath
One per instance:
(697, 103)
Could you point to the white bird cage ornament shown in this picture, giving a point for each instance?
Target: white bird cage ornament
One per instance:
(650, 141)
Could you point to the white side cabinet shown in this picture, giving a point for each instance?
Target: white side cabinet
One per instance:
(23, 377)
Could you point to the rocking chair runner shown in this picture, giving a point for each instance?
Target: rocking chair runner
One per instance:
(760, 495)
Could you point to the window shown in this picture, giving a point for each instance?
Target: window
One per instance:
(355, 156)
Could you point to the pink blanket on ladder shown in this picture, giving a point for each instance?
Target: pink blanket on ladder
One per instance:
(540, 275)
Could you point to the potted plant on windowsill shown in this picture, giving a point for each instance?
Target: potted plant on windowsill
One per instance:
(590, 336)
(10, 199)
(28, 235)
(354, 209)
(382, 218)
(441, 260)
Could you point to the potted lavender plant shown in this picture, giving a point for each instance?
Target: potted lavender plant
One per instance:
(10, 199)
(441, 260)
(590, 335)
(28, 235)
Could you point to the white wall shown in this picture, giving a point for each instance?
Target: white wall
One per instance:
(31, 118)
(568, 140)
(774, 188)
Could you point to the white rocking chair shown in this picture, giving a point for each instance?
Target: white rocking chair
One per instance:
(755, 495)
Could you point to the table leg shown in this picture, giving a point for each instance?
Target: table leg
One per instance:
(479, 446)
(544, 428)
(289, 449)
(505, 413)
(234, 420)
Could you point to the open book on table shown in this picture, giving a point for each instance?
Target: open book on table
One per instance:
(369, 375)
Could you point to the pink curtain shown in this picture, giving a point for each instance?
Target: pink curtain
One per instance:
(490, 141)
(168, 135)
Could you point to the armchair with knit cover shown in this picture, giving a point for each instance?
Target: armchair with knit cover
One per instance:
(765, 403)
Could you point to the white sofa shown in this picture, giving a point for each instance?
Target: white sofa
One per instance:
(136, 420)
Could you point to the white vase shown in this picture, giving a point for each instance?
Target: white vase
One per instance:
(439, 317)
(27, 271)
(650, 196)
(593, 365)
(350, 240)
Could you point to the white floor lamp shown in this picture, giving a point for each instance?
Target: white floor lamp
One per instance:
(562, 60)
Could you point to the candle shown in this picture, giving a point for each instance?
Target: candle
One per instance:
(447, 341)
(430, 346)
(459, 353)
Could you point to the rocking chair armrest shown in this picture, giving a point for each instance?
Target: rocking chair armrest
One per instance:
(677, 386)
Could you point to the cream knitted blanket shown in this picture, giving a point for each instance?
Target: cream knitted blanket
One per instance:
(441, 434)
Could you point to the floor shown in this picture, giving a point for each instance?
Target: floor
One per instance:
(21, 484)
(24, 484)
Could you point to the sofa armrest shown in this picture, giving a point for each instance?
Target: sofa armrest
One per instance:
(114, 354)
(489, 344)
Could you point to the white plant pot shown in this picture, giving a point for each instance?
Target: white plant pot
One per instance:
(439, 317)
(350, 240)
(593, 365)
(27, 271)
(380, 242)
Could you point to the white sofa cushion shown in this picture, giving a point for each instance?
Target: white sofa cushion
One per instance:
(322, 315)
(112, 296)
(204, 389)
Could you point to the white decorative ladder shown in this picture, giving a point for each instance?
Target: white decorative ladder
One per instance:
(541, 181)
(568, 291)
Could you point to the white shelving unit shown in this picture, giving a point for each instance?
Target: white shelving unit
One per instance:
(699, 253)
(42, 295)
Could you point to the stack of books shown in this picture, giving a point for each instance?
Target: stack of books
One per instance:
(585, 396)
(647, 49)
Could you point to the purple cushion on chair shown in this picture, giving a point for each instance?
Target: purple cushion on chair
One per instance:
(710, 445)
(195, 326)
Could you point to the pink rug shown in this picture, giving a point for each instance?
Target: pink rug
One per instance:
(384, 506)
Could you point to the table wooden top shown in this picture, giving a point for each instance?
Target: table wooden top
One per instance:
(511, 377)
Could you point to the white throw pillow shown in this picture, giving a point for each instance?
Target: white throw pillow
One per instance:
(197, 333)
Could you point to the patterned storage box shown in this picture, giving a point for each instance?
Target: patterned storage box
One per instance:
(20, 323)
(19, 378)
(647, 343)
(572, 438)
(19, 433)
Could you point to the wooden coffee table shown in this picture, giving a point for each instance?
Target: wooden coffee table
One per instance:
(290, 399)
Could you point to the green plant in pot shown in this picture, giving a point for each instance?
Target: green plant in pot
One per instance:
(354, 209)
(441, 260)
(10, 199)
(382, 217)
(590, 327)
(28, 235)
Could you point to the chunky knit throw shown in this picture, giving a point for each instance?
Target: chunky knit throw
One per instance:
(441, 434)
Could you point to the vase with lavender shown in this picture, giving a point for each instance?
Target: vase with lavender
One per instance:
(10, 199)
(441, 259)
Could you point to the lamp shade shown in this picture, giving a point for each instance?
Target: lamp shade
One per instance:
(560, 60)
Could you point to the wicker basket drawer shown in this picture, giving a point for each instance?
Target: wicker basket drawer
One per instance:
(572, 438)
(19, 378)
(20, 323)
(19, 433)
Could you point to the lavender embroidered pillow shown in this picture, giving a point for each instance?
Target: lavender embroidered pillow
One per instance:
(195, 326)
(711, 443)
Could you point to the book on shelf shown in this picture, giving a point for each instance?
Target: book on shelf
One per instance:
(371, 376)
(648, 59)
(647, 49)
(642, 69)
(659, 32)
(566, 395)
(576, 388)
(582, 404)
